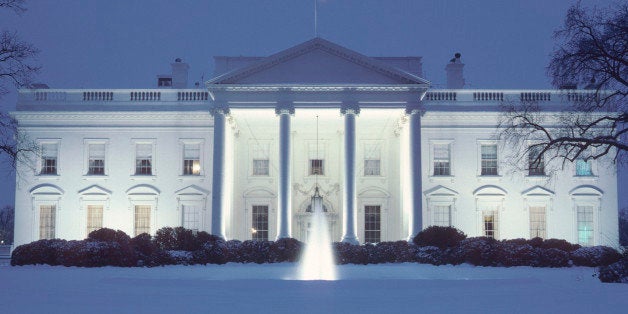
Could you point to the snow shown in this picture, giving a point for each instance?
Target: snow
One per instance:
(242, 288)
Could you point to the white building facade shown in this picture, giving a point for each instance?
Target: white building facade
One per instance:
(241, 157)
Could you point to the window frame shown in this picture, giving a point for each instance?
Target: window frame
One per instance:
(377, 222)
(256, 232)
(480, 163)
(40, 159)
(86, 151)
(432, 164)
(259, 150)
(533, 170)
(153, 160)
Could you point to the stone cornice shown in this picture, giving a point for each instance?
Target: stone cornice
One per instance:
(143, 118)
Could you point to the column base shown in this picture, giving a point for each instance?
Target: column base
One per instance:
(350, 240)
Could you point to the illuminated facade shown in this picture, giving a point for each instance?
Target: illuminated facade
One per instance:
(241, 158)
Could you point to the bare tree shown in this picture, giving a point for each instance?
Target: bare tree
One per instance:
(7, 219)
(591, 49)
(17, 67)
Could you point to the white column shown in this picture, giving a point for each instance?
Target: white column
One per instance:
(284, 229)
(218, 171)
(349, 199)
(416, 190)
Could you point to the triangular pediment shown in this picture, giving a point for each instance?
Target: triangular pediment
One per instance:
(192, 190)
(537, 191)
(440, 191)
(94, 190)
(318, 62)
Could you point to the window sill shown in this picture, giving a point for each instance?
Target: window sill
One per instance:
(48, 177)
(536, 178)
(90, 177)
(482, 178)
(139, 177)
(441, 178)
(191, 177)
(586, 178)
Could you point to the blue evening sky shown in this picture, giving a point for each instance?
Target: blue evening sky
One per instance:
(124, 44)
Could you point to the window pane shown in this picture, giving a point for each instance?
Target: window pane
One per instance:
(585, 225)
(94, 218)
(191, 217)
(316, 167)
(537, 222)
(490, 220)
(536, 164)
(96, 159)
(259, 226)
(47, 221)
(143, 159)
(442, 215)
(142, 219)
(489, 160)
(371, 167)
(441, 160)
(583, 168)
(372, 224)
(260, 167)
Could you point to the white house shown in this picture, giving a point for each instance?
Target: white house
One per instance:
(242, 156)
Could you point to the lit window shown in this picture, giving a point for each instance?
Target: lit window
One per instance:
(442, 160)
(259, 228)
(143, 159)
(490, 220)
(191, 217)
(442, 215)
(317, 167)
(583, 168)
(94, 218)
(585, 225)
(96, 159)
(489, 160)
(142, 219)
(192, 159)
(537, 222)
(49, 157)
(536, 164)
(47, 221)
(372, 224)
(372, 160)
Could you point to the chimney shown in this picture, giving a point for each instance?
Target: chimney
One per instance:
(179, 74)
(455, 80)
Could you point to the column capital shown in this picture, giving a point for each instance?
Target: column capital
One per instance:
(415, 109)
(219, 109)
(284, 108)
(350, 108)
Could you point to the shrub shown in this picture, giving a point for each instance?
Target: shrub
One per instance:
(616, 272)
(517, 252)
(38, 252)
(147, 252)
(536, 242)
(254, 251)
(430, 255)
(165, 239)
(560, 244)
(109, 235)
(595, 256)
(395, 252)
(93, 254)
(552, 257)
(479, 251)
(441, 237)
(285, 250)
(214, 251)
(347, 253)
(185, 240)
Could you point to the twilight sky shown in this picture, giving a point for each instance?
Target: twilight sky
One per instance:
(124, 44)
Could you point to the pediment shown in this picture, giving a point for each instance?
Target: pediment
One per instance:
(373, 193)
(489, 190)
(46, 189)
(440, 191)
(586, 190)
(94, 190)
(318, 62)
(192, 190)
(143, 189)
(258, 192)
(537, 191)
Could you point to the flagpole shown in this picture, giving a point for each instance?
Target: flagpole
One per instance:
(315, 18)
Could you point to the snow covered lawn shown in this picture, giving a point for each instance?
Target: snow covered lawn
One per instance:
(251, 288)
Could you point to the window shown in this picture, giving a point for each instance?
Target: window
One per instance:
(143, 159)
(372, 160)
(536, 164)
(260, 152)
(442, 215)
(49, 158)
(537, 222)
(489, 160)
(94, 218)
(372, 224)
(259, 228)
(583, 168)
(585, 225)
(490, 219)
(142, 219)
(317, 167)
(192, 159)
(164, 82)
(47, 221)
(96, 161)
(191, 217)
(442, 160)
